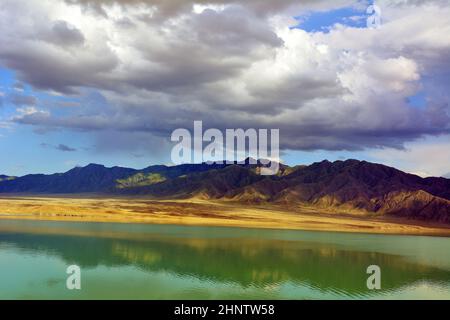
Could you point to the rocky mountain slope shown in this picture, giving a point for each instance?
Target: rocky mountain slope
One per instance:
(356, 187)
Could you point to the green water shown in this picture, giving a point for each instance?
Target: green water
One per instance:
(131, 261)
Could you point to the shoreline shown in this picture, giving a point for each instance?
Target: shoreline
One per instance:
(194, 212)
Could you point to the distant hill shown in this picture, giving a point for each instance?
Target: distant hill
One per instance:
(96, 178)
(343, 186)
(92, 178)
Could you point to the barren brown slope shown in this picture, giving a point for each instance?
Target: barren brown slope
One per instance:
(354, 186)
(348, 186)
(344, 186)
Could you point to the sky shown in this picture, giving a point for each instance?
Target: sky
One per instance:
(107, 81)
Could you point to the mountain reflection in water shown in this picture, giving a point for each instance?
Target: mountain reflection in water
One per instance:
(248, 258)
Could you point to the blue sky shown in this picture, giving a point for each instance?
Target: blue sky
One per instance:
(116, 99)
(322, 21)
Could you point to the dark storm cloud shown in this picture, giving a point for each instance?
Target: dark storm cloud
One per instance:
(309, 132)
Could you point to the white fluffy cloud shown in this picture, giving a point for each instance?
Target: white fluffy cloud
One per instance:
(162, 64)
(426, 157)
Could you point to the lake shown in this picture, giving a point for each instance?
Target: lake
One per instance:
(141, 261)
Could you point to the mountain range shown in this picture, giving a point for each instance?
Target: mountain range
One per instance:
(351, 186)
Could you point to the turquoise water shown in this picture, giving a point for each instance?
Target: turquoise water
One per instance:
(137, 261)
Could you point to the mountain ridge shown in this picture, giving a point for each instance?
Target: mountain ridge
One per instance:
(349, 186)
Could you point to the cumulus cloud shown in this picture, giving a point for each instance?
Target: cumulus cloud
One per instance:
(426, 157)
(160, 65)
(167, 9)
(64, 34)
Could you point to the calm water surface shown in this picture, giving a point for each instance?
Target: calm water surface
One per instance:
(132, 261)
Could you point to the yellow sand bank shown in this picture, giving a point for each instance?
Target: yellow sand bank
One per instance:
(202, 213)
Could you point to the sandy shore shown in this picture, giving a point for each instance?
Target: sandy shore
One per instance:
(202, 213)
